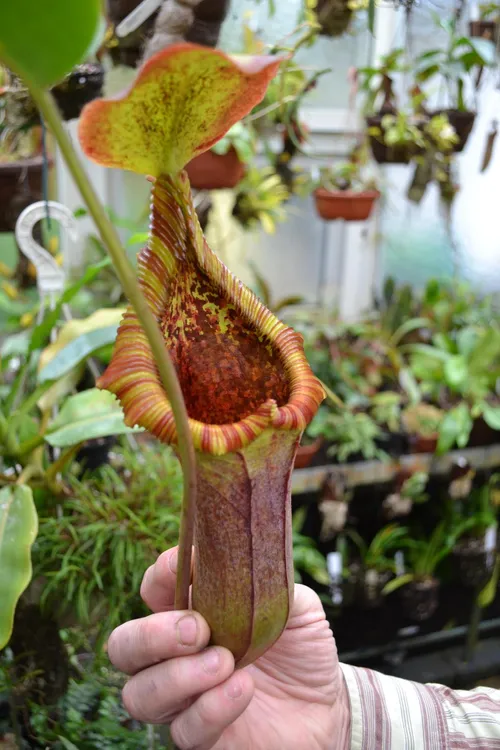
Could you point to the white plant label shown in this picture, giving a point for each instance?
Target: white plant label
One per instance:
(334, 565)
(137, 17)
(490, 539)
(399, 559)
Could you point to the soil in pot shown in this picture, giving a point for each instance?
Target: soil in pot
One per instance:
(348, 205)
(463, 122)
(307, 452)
(384, 154)
(475, 564)
(420, 599)
(80, 87)
(370, 586)
(21, 184)
(483, 29)
(211, 171)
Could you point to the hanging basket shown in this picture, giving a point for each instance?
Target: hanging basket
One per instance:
(384, 154)
(80, 87)
(211, 171)
(334, 17)
(463, 122)
(21, 183)
(420, 599)
(348, 205)
(483, 29)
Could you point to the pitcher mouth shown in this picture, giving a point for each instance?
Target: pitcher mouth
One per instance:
(241, 370)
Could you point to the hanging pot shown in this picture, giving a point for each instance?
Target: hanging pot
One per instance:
(334, 17)
(128, 50)
(371, 583)
(80, 87)
(348, 205)
(420, 599)
(463, 122)
(384, 154)
(306, 453)
(483, 29)
(211, 171)
(475, 563)
(21, 184)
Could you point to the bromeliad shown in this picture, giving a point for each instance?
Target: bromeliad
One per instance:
(248, 388)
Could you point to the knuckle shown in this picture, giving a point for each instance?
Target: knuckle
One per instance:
(151, 633)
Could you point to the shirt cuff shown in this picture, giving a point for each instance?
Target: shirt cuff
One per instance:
(390, 714)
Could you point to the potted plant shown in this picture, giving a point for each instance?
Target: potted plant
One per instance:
(334, 16)
(78, 88)
(422, 422)
(223, 167)
(376, 567)
(343, 193)
(409, 490)
(352, 435)
(420, 587)
(475, 551)
(21, 162)
(260, 199)
(487, 25)
(454, 62)
(395, 137)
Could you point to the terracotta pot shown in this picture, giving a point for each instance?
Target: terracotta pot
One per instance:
(482, 434)
(483, 29)
(388, 154)
(463, 122)
(420, 599)
(80, 87)
(306, 453)
(211, 171)
(21, 183)
(475, 564)
(345, 204)
(421, 444)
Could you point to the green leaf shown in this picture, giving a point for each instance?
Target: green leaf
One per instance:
(76, 352)
(456, 371)
(371, 15)
(86, 416)
(18, 530)
(15, 346)
(455, 428)
(488, 594)
(139, 238)
(67, 744)
(42, 331)
(398, 583)
(413, 324)
(491, 415)
(46, 40)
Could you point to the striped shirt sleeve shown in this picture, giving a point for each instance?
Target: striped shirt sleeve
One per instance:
(392, 714)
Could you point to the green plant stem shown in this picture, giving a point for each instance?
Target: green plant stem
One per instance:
(7, 437)
(127, 277)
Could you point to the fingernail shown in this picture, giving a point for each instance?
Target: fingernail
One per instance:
(187, 630)
(211, 661)
(172, 563)
(233, 689)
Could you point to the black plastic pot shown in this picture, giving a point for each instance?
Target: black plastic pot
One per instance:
(81, 86)
(475, 564)
(334, 17)
(95, 453)
(420, 599)
(370, 585)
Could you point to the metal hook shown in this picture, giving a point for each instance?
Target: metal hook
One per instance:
(50, 277)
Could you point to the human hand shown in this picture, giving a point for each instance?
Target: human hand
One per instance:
(293, 697)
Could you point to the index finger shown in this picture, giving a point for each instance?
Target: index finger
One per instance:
(158, 584)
